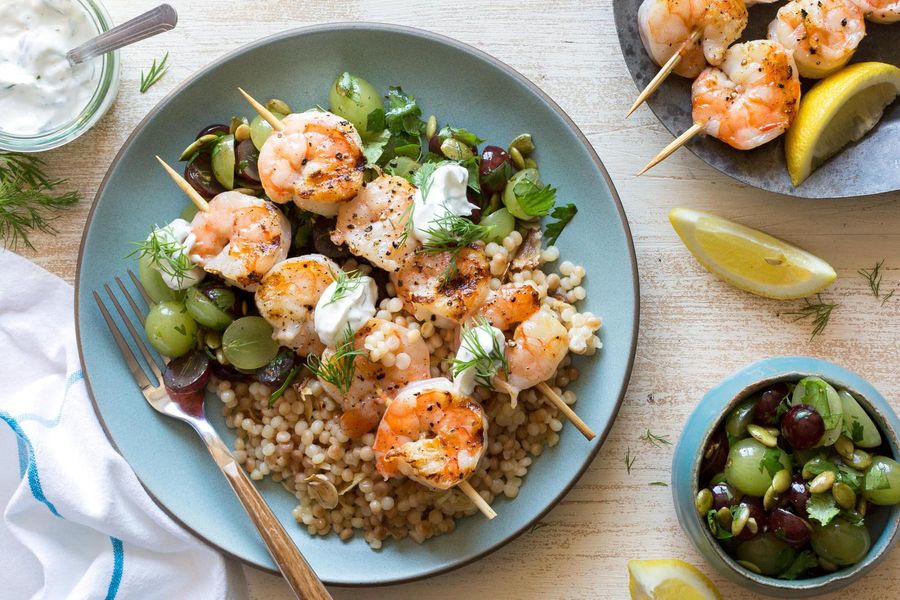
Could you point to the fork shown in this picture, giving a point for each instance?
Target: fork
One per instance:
(299, 575)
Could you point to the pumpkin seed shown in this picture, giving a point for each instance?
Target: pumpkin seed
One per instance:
(242, 132)
(213, 340)
(517, 158)
(237, 122)
(770, 499)
(844, 447)
(431, 127)
(862, 507)
(703, 502)
(822, 482)
(204, 142)
(761, 435)
(523, 143)
(220, 357)
(322, 490)
(843, 495)
(773, 431)
(860, 460)
(741, 516)
(750, 566)
(530, 163)
(752, 526)
(456, 150)
(723, 516)
(278, 106)
(782, 481)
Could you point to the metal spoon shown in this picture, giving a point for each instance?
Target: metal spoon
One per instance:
(162, 18)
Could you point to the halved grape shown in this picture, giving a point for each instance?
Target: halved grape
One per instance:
(199, 174)
(260, 130)
(186, 377)
(248, 343)
(171, 329)
(738, 419)
(277, 370)
(210, 314)
(247, 160)
(881, 484)
(355, 99)
(767, 552)
(516, 187)
(153, 282)
(751, 466)
(501, 223)
(223, 161)
(841, 542)
(857, 425)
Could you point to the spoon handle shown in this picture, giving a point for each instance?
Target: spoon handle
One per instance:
(162, 18)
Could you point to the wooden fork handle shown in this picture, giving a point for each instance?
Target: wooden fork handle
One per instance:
(300, 577)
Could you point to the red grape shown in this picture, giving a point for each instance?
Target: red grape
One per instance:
(724, 496)
(185, 380)
(802, 426)
(797, 495)
(758, 513)
(199, 174)
(767, 407)
(495, 170)
(715, 456)
(789, 527)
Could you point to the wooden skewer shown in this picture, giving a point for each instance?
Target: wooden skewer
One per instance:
(264, 112)
(477, 500)
(664, 72)
(198, 200)
(566, 410)
(680, 141)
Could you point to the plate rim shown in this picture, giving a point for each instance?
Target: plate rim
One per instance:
(619, 14)
(481, 55)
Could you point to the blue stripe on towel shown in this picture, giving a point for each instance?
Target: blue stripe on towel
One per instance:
(118, 567)
(74, 378)
(34, 480)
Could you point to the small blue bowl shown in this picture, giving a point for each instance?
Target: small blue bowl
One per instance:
(883, 525)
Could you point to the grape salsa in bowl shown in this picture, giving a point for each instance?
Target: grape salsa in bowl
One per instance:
(785, 477)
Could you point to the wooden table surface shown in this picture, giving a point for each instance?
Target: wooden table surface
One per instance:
(695, 330)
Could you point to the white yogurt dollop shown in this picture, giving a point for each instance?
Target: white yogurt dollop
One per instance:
(39, 89)
(446, 195)
(484, 337)
(178, 232)
(354, 308)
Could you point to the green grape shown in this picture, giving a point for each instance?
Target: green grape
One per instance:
(881, 484)
(857, 425)
(751, 466)
(248, 343)
(208, 313)
(171, 329)
(771, 555)
(738, 419)
(223, 161)
(841, 542)
(354, 98)
(511, 197)
(501, 223)
(153, 282)
(260, 130)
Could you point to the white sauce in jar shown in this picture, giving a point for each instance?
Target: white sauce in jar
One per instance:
(39, 90)
(446, 195)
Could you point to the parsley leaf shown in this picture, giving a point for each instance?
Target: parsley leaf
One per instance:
(877, 478)
(805, 560)
(850, 477)
(771, 461)
(375, 120)
(822, 508)
(562, 214)
(534, 200)
(374, 148)
(466, 137)
(403, 115)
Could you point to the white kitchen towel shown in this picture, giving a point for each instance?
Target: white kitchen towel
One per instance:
(76, 521)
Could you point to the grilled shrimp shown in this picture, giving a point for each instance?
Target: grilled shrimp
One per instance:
(822, 34)
(240, 238)
(537, 347)
(287, 297)
(392, 357)
(752, 98)
(373, 225)
(316, 161)
(511, 304)
(421, 286)
(880, 11)
(666, 25)
(432, 434)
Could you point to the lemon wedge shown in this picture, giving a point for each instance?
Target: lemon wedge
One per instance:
(749, 259)
(669, 579)
(840, 109)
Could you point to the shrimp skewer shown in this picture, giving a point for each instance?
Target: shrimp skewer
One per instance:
(749, 101)
(880, 11)
(683, 36)
(434, 435)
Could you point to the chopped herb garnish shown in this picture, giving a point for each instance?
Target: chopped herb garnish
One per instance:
(466, 137)
(819, 312)
(451, 234)
(284, 386)
(713, 522)
(804, 561)
(155, 73)
(487, 362)
(629, 460)
(656, 440)
(345, 282)
(348, 86)
(856, 431)
(536, 526)
(822, 508)
(771, 462)
(659, 483)
(166, 253)
(873, 277)
(534, 200)
(877, 479)
(338, 369)
(28, 199)
(562, 214)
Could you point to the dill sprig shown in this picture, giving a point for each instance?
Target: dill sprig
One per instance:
(345, 283)
(487, 362)
(165, 252)
(873, 277)
(629, 460)
(338, 369)
(656, 440)
(819, 312)
(28, 199)
(451, 233)
(888, 296)
(154, 74)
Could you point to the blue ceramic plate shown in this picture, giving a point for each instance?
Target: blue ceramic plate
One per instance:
(463, 86)
(869, 166)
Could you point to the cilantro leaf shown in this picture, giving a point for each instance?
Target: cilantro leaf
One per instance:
(403, 115)
(802, 563)
(715, 529)
(466, 137)
(471, 165)
(850, 477)
(877, 478)
(534, 200)
(771, 462)
(822, 508)
(562, 214)
(348, 86)
(374, 148)
(375, 120)
(856, 431)
(852, 517)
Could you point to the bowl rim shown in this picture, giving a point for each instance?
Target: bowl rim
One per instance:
(511, 72)
(749, 380)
